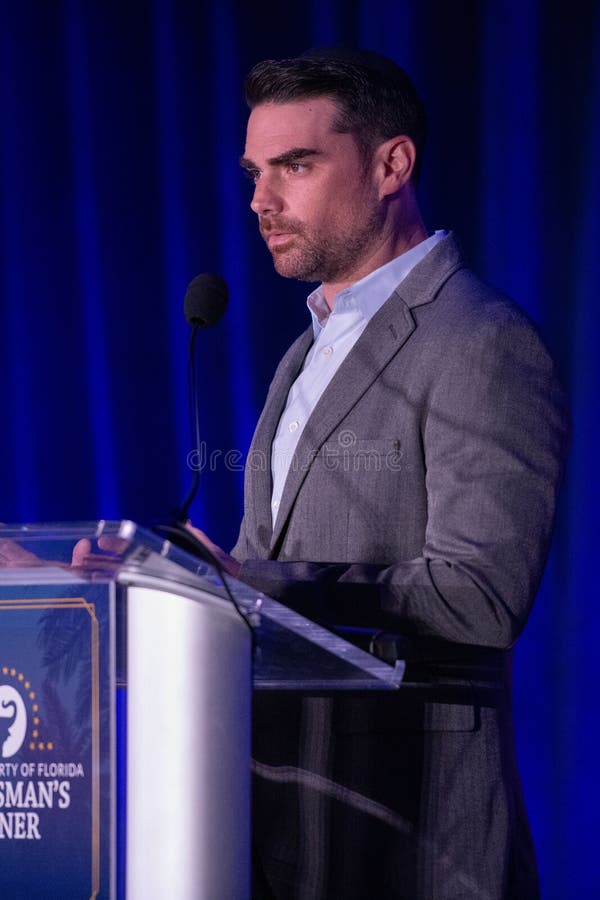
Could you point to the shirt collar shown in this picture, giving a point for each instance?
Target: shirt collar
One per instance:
(370, 293)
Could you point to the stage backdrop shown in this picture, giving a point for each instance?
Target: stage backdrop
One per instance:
(121, 124)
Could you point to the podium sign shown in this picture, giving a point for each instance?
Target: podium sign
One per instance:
(56, 735)
(125, 688)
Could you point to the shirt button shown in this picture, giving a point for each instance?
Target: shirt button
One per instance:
(327, 351)
(293, 426)
(276, 504)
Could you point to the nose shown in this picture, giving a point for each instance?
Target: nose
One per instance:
(266, 198)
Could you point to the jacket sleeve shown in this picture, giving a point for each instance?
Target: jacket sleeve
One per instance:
(494, 438)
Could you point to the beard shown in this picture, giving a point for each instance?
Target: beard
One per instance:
(322, 255)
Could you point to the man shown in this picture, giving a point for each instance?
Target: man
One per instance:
(417, 434)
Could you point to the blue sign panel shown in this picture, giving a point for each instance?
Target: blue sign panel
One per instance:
(56, 742)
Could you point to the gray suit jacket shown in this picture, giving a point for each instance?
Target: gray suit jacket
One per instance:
(420, 502)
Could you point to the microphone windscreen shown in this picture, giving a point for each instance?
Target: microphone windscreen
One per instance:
(205, 300)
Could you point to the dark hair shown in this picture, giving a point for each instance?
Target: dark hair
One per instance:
(375, 97)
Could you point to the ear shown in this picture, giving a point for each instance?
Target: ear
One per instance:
(395, 164)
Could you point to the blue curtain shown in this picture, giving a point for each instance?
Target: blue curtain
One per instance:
(120, 129)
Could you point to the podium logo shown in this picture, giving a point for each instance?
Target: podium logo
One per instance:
(13, 721)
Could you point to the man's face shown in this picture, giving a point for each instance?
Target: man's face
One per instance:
(316, 201)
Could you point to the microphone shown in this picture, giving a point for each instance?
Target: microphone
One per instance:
(205, 300)
(204, 303)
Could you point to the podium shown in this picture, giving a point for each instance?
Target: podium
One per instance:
(125, 709)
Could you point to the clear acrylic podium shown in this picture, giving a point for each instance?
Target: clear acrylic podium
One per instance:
(125, 699)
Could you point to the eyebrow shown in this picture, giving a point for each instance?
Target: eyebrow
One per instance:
(288, 156)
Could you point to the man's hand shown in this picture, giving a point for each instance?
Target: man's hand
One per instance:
(84, 557)
(227, 562)
(13, 556)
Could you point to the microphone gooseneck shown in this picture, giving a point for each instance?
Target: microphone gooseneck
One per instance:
(204, 303)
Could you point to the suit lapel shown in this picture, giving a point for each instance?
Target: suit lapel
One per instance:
(379, 342)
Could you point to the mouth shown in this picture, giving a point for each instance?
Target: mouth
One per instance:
(278, 238)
